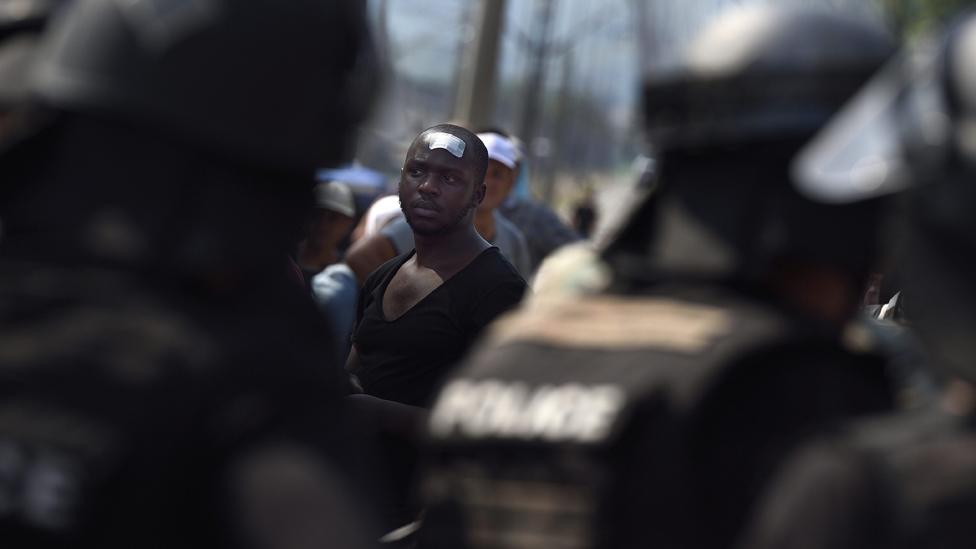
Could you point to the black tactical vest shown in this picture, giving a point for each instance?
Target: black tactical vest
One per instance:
(124, 407)
(626, 421)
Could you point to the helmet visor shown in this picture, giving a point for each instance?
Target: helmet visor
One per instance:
(861, 153)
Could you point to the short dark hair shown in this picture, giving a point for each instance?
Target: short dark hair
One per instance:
(477, 160)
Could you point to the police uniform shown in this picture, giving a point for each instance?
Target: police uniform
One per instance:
(131, 416)
(163, 383)
(620, 420)
(901, 480)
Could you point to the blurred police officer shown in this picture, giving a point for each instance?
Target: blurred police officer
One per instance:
(650, 413)
(162, 382)
(904, 480)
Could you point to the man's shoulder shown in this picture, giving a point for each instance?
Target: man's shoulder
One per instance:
(492, 269)
(504, 224)
(489, 282)
(537, 214)
(513, 234)
(385, 270)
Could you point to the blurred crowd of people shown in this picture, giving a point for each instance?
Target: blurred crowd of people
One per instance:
(205, 344)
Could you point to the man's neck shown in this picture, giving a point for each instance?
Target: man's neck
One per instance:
(449, 252)
(484, 222)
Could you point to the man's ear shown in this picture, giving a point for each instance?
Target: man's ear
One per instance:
(479, 193)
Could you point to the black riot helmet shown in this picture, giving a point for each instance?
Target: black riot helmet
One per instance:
(279, 84)
(724, 123)
(21, 22)
(912, 131)
(759, 73)
(181, 136)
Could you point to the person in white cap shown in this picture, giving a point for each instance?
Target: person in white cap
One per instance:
(545, 232)
(502, 169)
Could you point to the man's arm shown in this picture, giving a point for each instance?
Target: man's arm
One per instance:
(369, 253)
(352, 364)
(523, 260)
(359, 231)
(285, 496)
(551, 233)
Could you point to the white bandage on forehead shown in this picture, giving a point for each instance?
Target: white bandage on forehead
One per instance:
(441, 140)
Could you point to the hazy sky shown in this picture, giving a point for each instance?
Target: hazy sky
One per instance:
(425, 38)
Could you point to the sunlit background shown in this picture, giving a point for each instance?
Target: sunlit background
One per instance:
(568, 76)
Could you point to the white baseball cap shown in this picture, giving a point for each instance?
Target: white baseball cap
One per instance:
(500, 148)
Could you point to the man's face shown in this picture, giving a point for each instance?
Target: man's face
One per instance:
(499, 181)
(437, 190)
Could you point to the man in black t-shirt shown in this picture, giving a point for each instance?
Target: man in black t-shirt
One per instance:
(419, 312)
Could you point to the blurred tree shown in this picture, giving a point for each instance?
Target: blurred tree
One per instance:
(912, 17)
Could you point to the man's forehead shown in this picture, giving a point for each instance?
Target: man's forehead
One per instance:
(420, 151)
(434, 140)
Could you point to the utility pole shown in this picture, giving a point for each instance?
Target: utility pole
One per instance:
(466, 36)
(643, 30)
(559, 135)
(475, 100)
(533, 92)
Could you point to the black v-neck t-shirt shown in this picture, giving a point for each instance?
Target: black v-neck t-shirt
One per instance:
(406, 359)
